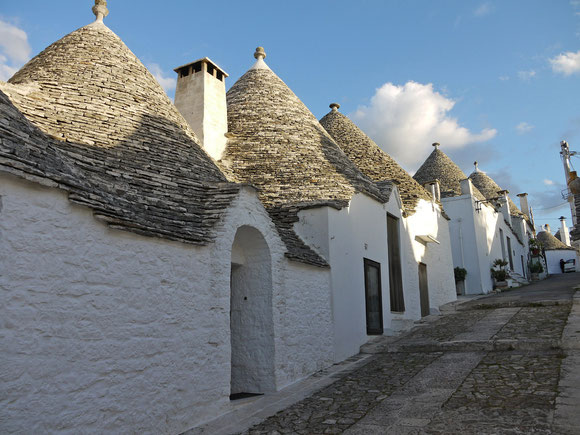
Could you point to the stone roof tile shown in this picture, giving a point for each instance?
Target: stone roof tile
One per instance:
(86, 116)
(551, 243)
(371, 160)
(439, 166)
(278, 145)
(490, 189)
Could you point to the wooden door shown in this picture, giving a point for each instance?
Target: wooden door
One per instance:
(373, 297)
(423, 290)
(395, 274)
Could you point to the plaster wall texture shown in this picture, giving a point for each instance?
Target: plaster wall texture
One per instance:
(475, 240)
(105, 330)
(252, 329)
(201, 99)
(345, 237)
(518, 249)
(553, 259)
(468, 242)
(427, 220)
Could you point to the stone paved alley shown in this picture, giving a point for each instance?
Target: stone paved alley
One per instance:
(506, 363)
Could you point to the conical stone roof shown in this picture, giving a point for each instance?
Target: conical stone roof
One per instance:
(370, 159)
(86, 115)
(279, 146)
(439, 166)
(551, 243)
(490, 189)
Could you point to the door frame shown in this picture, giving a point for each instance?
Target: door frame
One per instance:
(372, 263)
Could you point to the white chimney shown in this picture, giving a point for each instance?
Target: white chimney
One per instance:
(564, 232)
(434, 188)
(524, 207)
(466, 187)
(547, 229)
(200, 96)
(504, 205)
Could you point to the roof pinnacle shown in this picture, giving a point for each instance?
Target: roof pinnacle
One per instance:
(436, 145)
(476, 167)
(100, 10)
(260, 53)
(334, 106)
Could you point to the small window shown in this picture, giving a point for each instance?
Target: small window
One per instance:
(210, 69)
(184, 71)
(196, 67)
(219, 76)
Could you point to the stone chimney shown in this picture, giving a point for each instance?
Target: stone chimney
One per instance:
(564, 232)
(504, 205)
(200, 96)
(524, 207)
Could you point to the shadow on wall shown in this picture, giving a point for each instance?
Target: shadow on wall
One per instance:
(150, 183)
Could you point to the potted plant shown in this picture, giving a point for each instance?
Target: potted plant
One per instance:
(535, 246)
(460, 274)
(535, 269)
(499, 273)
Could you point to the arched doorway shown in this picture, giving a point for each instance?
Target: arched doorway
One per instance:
(251, 323)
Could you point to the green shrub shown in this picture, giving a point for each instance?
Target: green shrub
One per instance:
(460, 274)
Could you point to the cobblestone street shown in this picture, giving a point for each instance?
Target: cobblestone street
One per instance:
(492, 366)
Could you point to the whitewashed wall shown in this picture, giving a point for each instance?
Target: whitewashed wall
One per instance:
(107, 331)
(475, 240)
(345, 237)
(553, 259)
(427, 220)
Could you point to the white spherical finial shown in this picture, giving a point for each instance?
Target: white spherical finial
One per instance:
(334, 106)
(260, 53)
(100, 9)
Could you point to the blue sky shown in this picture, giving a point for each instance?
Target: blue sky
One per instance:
(493, 81)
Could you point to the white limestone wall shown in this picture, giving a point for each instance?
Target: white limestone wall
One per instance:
(345, 237)
(355, 232)
(107, 331)
(475, 240)
(553, 259)
(518, 247)
(427, 220)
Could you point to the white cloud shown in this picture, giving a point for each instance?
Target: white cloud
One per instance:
(483, 9)
(566, 63)
(405, 120)
(167, 83)
(548, 182)
(526, 75)
(524, 127)
(504, 78)
(14, 49)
